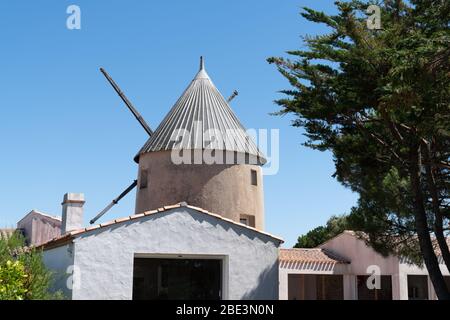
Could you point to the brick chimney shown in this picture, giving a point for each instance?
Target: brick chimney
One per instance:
(72, 212)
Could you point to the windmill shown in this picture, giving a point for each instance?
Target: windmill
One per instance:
(144, 125)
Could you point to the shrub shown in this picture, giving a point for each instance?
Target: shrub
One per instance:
(23, 275)
(13, 280)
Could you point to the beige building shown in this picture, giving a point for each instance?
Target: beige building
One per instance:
(342, 267)
(39, 227)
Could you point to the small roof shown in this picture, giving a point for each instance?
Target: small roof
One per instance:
(34, 212)
(307, 255)
(204, 113)
(62, 240)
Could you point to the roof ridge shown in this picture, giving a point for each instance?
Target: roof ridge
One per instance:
(42, 214)
(74, 233)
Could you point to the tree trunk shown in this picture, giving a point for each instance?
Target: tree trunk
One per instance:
(438, 221)
(423, 234)
(442, 241)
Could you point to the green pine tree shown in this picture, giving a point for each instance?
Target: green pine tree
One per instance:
(334, 226)
(379, 100)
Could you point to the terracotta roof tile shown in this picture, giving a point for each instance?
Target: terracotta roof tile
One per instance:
(108, 223)
(122, 219)
(172, 207)
(195, 208)
(75, 232)
(310, 255)
(135, 216)
(97, 226)
(147, 213)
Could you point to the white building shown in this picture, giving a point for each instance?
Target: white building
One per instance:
(176, 252)
(340, 267)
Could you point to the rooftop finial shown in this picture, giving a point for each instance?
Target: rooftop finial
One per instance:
(202, 64)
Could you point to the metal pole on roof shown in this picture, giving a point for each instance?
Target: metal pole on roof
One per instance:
(133, 110)
(233, 95)
(202, 63)
(114, 202)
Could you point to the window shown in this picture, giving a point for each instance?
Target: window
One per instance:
(315, 287)
(143, 179)
(254, 177)
(244, 221)
(330, 287)
(247, 219)
(447, 282)
(384, 293)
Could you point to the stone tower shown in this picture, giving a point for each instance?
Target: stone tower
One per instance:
(202, 155)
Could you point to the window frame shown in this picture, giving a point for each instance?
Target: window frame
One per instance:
(143, 179)
(254, 177)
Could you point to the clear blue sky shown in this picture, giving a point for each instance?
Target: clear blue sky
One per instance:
(63, 128)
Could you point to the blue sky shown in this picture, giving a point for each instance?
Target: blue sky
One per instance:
(63, 128)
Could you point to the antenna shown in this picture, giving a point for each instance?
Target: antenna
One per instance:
(133, 110)
(114, 202)
(202, 63)
(233, 95)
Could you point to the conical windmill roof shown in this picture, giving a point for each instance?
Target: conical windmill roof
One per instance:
(197, 121)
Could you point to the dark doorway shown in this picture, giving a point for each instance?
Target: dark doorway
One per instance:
(384, 293)
(315, 287)
(447, 282)
(177, 279)
(417, 287)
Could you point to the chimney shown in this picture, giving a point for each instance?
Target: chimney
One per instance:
(72, 212)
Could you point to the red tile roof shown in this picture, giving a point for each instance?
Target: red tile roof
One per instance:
(56, 242)
(310, 255)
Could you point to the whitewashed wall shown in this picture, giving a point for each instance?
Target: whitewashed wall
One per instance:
(60, 260)
(105, 256)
